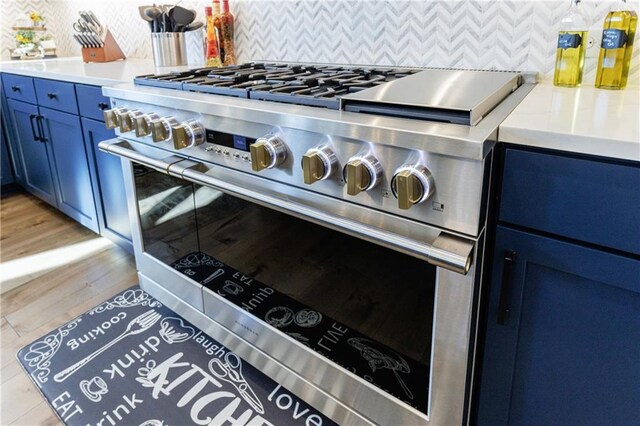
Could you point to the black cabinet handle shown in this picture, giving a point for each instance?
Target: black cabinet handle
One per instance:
(41, 129)
(103, 105)
(508, 261)
(51, 95)
(15, 88)
(33, 129)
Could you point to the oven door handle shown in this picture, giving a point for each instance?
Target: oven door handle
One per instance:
(447, 251)
(120, 147)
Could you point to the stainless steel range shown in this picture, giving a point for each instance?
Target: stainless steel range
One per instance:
(326, 223)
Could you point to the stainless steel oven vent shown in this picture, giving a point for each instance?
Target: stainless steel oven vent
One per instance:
(442, 95)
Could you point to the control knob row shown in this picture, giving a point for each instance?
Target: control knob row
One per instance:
(186, 134)
(410, 184)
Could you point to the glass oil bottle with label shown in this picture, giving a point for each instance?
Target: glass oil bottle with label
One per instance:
(572, 40)
(617, 44)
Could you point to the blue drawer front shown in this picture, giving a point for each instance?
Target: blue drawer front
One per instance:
(56, 95)
(19, 87)
(91, 103)
(590, 201)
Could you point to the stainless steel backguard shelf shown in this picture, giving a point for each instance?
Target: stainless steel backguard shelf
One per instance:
(450, 96)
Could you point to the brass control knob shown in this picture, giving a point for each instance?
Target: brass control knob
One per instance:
(267, 152)
(142, 124)
(186, 134)
(412, 185)
(317, 164)
(161, 128)
(112, 117)
(362, 174)
(126, 120)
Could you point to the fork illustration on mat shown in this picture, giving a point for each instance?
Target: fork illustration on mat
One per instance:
(137, 325)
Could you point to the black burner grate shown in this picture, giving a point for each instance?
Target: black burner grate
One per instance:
(313, 85)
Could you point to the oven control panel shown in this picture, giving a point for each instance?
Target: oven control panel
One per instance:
(410, 183)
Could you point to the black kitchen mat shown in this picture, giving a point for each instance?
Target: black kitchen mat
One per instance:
(132, 361)
(397, 374)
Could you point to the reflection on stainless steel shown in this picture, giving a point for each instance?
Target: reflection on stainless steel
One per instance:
(410, 238)
(468, 95)
(271, 213)
(298, 384)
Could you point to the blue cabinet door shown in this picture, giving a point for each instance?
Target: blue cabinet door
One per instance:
(108, 181)
(73, 180)
(563, 335)
(7, 129)
(6, 173)
(34, 154)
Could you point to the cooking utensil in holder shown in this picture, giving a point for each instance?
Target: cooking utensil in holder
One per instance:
(110, 51)
(169, 49)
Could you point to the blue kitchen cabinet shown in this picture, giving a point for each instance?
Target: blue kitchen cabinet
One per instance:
(61, 161)
(6, 172)
(63, 134)
(563, 335)
(34, 154)
(562, 323)
(108, 185)
(7, 133)
(6, 168)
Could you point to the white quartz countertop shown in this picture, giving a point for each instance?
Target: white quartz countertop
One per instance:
(76, 71)
(584, 120)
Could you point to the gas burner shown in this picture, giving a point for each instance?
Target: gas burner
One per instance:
(312, 85)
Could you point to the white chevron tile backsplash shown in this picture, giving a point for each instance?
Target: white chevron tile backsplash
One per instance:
(489, 34)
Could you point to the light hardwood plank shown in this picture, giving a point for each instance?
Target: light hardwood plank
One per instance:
(9, 371)
(46, 299)
(57, 289)
(41, 414)
(69, 294)
(19, 396)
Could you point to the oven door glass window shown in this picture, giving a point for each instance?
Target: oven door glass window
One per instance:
(167, 214)
(363, 306)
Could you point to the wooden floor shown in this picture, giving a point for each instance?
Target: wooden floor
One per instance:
(61, 270)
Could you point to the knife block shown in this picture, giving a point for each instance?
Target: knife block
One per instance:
(110, 51)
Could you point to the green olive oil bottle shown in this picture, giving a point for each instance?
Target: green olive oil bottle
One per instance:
(617, 44)
(570, 51)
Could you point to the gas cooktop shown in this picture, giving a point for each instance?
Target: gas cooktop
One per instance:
(449, 96)
(313, 85)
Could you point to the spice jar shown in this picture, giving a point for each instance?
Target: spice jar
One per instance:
(226, 20)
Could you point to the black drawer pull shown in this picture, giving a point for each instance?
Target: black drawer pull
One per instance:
(102, 106)
(16, 88)
(508, 261)
(33, 129)
(51, 95)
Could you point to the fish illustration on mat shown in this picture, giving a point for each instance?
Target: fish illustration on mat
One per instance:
(380, 360)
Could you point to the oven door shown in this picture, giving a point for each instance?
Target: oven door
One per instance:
(362, 314)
